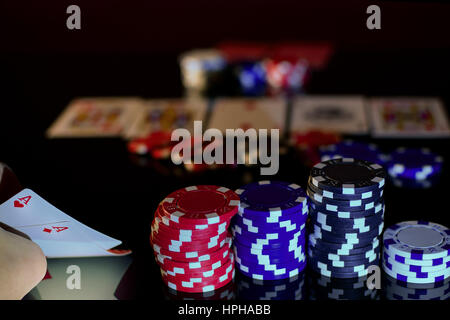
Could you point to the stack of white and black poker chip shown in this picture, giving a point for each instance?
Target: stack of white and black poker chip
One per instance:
(347, 212)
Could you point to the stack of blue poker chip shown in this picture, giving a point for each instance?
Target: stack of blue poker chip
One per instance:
(269, 230)
(285, 289)
(252, 78)
(325, 288)
(414, 168)
(398, 290)
(352, 149)
(417, 252)
(346, 207)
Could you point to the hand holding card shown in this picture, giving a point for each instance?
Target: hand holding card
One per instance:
(58, 234)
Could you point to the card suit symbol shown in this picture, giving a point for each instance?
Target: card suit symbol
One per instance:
(18, 204)
(47, 230)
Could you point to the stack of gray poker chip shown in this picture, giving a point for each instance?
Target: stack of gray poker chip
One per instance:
(347, 212)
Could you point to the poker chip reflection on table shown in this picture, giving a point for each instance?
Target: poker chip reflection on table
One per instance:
(269, 230)
(190, 238)
(347, 213)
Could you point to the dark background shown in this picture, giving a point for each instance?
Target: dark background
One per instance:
(131, 48)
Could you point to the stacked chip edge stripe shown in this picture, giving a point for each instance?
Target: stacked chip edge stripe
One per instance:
(190, 238)
(417, 252)
(347, 212)
(269, 233)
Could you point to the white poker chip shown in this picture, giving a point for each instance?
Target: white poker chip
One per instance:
(417, 240)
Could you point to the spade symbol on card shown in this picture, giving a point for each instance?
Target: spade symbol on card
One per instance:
(21, 202)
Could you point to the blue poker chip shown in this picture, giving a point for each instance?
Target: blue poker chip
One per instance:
(400, 182)
(270, 275)
(334, 274)
(348, 238)
(343, 263)
(273, 249)
(377, 209)
(415, 164)
(337, 247)
(269, 259)
(264, 198)
(342, 229)
(312, 251)
(417, 240)
(349, 207)
(414, 277)
(291, 231)
(272, 240)
(323, 265)
(320, 200)
(263, 265)
(402, 265)
(348, 176)
(351, 149)
(261, 226)
(422, 263)
(268, 239)
(346, 223)
(252, 78)
(345, 197)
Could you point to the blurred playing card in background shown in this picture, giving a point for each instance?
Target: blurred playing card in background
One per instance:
(262, 113)
(166, 115)
(95, 117)
(339, 114)
(408, 117)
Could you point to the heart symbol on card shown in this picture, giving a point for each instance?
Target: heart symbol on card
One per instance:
(18, 204)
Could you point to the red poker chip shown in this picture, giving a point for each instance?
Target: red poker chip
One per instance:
(179, 246)
(166, 239)
(224, 293)
(202, 287)
(201, 204)
(200, 227)
(211, 246)
(208, 277)
(185, 235)
(209, 272)
(156, 139)
(193, 256)
(165, 225)
(168, 264)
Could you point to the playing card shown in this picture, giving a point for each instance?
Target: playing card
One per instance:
(340, 114)
(408, 117)
(262, 113)
(27, 209)
(98, 278)
(49, 227)
(64, 239)
(166, 115)
(95, 117)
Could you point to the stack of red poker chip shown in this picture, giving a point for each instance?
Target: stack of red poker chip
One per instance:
(190, 238)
